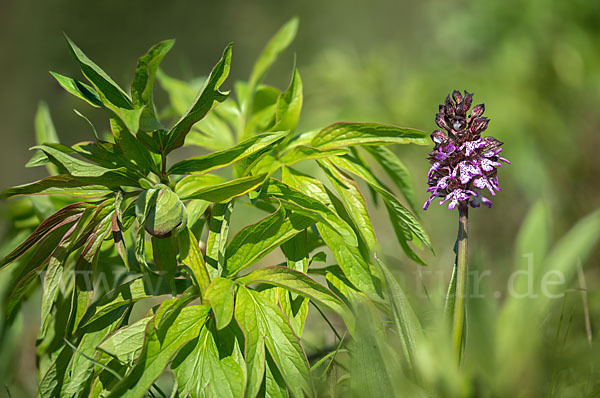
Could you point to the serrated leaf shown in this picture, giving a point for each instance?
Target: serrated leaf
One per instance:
(348, 134)
(220, 159)
(220, 295)
(257, 240)
(209, 97)
(160, 345)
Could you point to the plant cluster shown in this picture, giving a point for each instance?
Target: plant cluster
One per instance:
(125, 226)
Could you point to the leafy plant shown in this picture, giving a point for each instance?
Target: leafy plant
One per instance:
(137, 228)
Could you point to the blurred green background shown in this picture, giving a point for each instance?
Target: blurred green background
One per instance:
(535, 64)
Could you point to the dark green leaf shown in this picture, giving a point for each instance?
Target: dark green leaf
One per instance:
(107, 88)
(79, 89)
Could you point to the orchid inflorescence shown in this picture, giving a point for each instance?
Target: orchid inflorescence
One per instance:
(462, 161)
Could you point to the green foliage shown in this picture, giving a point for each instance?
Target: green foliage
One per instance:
(232, 327)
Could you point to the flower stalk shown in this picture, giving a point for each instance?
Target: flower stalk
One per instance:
(458, 319)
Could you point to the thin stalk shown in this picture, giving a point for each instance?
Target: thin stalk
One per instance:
(461, 279)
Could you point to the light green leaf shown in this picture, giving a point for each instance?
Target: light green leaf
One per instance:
(220, 159)
(257, 240)
(126, 343)
(397, 172)
(220, 296)
(300, 202)
(192, 183)
(276, 46)
(143, 84)
(226, 191)
(401, 217)
(191, 256)
(289, 105)
(407, 324)
(160, 345)
(201, 371)
(302, 152)
(209, 97)
(354, 202)
(298, 282)
(348, 134)
(279, 338)
(217, 237)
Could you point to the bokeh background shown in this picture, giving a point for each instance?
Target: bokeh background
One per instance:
(535, 64)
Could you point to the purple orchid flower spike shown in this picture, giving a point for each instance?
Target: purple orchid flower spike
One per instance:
(463, 163)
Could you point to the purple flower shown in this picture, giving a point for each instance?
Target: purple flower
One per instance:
(463, 163)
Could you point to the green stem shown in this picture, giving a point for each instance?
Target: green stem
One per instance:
(461, 279)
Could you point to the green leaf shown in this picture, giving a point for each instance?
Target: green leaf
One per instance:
(201, 370)
(354, 202)
(217, 237)
(257, 240)
(45, 132)
(404, 222)
(59, 184)
(209, 97)
(226, 191)
(220, 296)
(143, 84)
(107, 88)
(215, 160)
(124, 131)
(406, 322)
(79, 89)
(160, 345)
(247, 315)
(260, 319)
(192, 183)
(164, 252)
(348, 134)
(349, 257)
(289, 105)
(126, 343)
(300, 202)
(397, 172)
(302, 152)
(191, 256)
(75, 167)
(276, 46)
(298, 282)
